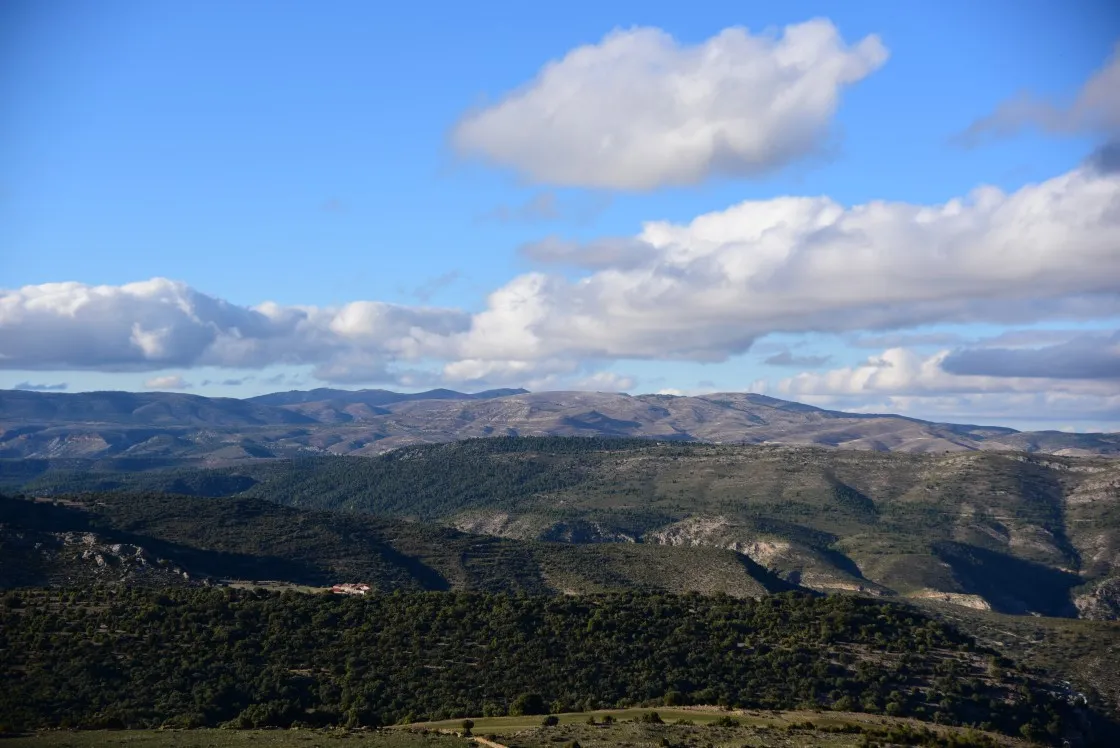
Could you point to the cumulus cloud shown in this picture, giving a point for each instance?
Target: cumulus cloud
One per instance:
(36, 387)
(899, 371)
(157, 324)
(169, 382)
(638, 110)
(905, 382)
(1096, 109)
(787, 358)
(603, 381)
(706, 290)
(702, 291)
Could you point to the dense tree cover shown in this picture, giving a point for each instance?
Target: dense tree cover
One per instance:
(432, 481)
(134, 657)
(256, 539)
(251, 539)
(427, 480)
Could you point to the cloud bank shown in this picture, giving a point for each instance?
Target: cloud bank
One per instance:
(638, 110)
(1083, 357)
(702, 291)
(903, 381)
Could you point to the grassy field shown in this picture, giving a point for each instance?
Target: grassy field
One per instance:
(236, 738)
(682, 728)
(696, 727)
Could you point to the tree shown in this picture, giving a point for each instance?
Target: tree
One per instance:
(527, 703)
(467, 725)
(550, 721)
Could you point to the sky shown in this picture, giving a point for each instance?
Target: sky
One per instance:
(876, 207)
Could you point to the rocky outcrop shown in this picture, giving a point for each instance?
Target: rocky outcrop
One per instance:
(82, 558)
(1102, 603)
(976, 602)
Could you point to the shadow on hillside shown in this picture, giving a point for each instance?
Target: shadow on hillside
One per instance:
(55, 518)
(768, 579)
(1009, 584)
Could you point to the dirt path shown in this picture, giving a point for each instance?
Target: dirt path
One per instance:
(487, 743)
(475, 738)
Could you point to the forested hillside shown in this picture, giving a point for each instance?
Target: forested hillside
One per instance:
(133, 657)
(1008, 531)
(150, 539)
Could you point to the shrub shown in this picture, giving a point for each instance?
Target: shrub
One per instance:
(527, 704)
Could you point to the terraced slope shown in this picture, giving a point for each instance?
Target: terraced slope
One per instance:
(1013, 532)
(161, 540)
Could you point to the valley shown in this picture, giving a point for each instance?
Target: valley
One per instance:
(1013, 556)
(1008, 532)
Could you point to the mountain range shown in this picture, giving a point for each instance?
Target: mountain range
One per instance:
(371, 422)
(1005, 531)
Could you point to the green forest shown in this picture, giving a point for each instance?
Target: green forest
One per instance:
(191, 657)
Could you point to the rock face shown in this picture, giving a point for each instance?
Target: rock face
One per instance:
(369, 422)
(955, 598)
(1102, 603)
(68, 558)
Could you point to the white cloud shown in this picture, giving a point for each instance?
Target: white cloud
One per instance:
(603, 381)
(159, 323)
(899, 371)
(703, 291)
(169, 382)
(474, 370)
(706, 290)
(1096, 109)
(638, 110)
(902, 381)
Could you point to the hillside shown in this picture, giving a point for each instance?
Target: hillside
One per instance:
(160, 540)
(1010, 532)
(371, 422)
(116, 657)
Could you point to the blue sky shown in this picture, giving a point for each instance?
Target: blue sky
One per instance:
(314, 156)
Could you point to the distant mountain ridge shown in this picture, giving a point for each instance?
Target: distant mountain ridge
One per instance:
(373, 397)
(370, 422)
